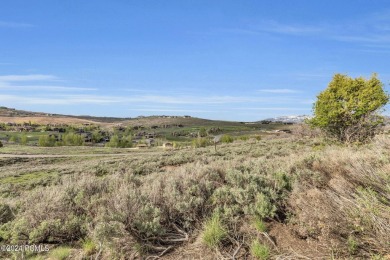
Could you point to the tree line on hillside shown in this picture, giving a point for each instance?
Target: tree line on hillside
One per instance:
(72, 139)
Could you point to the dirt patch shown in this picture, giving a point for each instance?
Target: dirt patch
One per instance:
(289, 243)
(193, 250)
(169, 168)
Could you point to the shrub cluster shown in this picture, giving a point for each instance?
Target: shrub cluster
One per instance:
(117, 142)
(145, 205)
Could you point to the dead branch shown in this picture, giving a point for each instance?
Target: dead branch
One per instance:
(270, 240)
(100, 251)
(165, 250)
(236, 252)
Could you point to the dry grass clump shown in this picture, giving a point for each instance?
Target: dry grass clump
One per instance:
(157, 211)
(60, 253)
(342, 199)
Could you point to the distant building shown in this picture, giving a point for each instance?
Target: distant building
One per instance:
(168, 145)
(142, 146)
(149, 142)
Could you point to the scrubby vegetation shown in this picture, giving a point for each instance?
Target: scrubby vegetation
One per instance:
(145, 132)
(348, 109)
(287, 196)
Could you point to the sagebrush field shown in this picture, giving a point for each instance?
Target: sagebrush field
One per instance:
(282, 197)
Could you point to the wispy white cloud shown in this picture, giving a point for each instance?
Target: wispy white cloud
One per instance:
(310, 76)
(141, 91)
(271, 108)
(247, 31)
(295, 29)
(45, 88)
(211, 100)
(64, 99)
(14, 25)
(193, 99)
(372, 28)
(307, 101)
(279, 91)
(59, 99)
(30, 77)
(38, 89)
(172, 110)
(275, 27)
(13, 82)
(364, 38)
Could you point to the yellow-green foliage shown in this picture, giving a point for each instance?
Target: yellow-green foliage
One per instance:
(28, 178)
(96, 136)
(200, 142)
(114, 141)
(259, 251)
(214, 231)
(72, 139)
(352, 244)
(227, 139)
(117, 142)
(60, 253)
(89, 247)
(244, 137)
(23, 139)
(13, 139)
(259, 224)
(36, 257)
(46, 141)
(346, 109)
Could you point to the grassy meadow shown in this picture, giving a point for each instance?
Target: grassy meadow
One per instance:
(282, 197)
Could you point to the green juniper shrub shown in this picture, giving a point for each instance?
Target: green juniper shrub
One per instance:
(348, 108)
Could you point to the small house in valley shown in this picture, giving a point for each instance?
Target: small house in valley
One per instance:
(168, 145)
(142, 146)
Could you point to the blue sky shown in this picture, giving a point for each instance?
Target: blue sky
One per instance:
(241, 60)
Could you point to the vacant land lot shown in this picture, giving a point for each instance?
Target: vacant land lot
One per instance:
(289, 197)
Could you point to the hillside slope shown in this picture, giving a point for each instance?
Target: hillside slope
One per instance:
(21, 116)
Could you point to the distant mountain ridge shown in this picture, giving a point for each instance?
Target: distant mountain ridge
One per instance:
(12, 112)
(288, 119)
(301, 118)
(12, 115)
